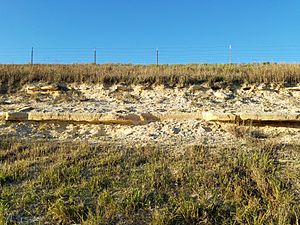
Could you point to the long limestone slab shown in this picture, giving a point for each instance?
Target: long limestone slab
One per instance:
(272, 117)
(144, 118)
(130, 119)
(255, 117)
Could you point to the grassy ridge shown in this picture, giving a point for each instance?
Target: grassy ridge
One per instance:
(12, 77)
(67, 184)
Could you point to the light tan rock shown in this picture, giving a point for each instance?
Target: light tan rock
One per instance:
(256, 117)
(32, 88)
(49, 88)
(222, 95)
(262, 87)
(276, 117)
(293, 89)
(195, 88)
(179, 116)
(26, 109)
(222, 117)
(2, 115)
(147, 117)
(122, 88)
(129, 119)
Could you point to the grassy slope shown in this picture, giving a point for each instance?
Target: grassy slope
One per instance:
(80, 183)
(65, 184)
(12, 77)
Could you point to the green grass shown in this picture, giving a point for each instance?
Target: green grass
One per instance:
(13, 77)
(59, 183)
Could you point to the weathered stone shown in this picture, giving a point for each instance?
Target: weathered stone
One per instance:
(178, 116)
(256, 117)
(222, 117)
(32, 88)
(129, 119)
(147, 117)
(195, 88)
(16, 116)
(144, 118)
(6, 102)
(2, 116)
(263, 87)
(270, 117)
(293, 89)
(49, 88)
(26, 109)
(122, 88)
(222, 95)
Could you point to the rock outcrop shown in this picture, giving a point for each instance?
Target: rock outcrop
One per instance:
(255, 117)
(130, 119)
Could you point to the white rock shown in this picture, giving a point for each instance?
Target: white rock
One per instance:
(222, 95)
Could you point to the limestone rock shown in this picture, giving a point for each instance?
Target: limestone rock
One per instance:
(222, 117)
(2, 116)
(121, 88)
(195, 88)
(26, 109)
(275, 117)
(47, 89)
(6, 102)
(32, 88)
(129, 119)
(263, 87)
(179, 116)
(16, 116)
(222, 95)
(293, 89)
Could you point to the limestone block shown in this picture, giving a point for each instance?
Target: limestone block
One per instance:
(277, 117)
(49, 88)
(2, 115)
(196, 87)
(293, 89)
(179, 116)
(222, 117)
(16, 116)
(222, 95)
(147, 117)
(32, 88)
(122, 88)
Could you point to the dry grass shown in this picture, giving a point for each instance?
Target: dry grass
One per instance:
(12, 77)
(43, 183)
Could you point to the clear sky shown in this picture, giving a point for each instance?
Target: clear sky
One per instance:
(129, 31)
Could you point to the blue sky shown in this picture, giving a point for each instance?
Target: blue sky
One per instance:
(129, 31)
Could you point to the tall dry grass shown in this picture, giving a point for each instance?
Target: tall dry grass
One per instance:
(12, 77)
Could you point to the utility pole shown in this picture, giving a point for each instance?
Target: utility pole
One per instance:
(157, 57)
(31, 58)
(95, 56)
(230, 54)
